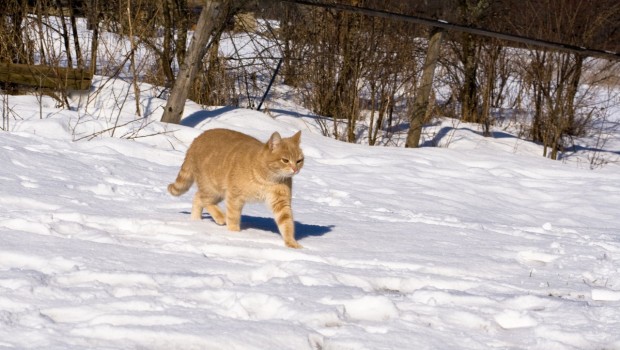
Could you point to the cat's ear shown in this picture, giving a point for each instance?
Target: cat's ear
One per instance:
(274, 141)
(297, 137)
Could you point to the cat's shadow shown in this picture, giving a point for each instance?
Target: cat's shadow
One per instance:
(268, 224)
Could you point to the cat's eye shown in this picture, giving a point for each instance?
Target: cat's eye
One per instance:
(285, 161)
(300, 161)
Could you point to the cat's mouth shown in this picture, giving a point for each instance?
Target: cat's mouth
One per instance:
(290, 172)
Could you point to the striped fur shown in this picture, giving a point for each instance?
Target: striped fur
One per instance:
(184, 181)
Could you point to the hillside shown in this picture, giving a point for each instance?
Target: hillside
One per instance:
(480, 245)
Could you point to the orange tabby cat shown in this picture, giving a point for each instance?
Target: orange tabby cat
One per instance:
(231, 166)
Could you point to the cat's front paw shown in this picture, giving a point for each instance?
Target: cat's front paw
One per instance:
(233, 225)
(293, 244)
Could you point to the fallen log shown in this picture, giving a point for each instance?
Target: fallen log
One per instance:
(55, 78)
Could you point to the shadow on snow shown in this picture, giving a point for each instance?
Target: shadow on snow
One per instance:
(196, 118)
(268, 224)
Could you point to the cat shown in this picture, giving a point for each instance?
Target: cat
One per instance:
(237, 168)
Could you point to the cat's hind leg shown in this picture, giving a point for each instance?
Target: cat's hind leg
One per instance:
(197, 207)
(205, 201)
(216, 214)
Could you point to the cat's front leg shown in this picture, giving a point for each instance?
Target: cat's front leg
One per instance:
(283, 214)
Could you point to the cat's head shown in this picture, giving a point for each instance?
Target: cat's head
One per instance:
(284, 156)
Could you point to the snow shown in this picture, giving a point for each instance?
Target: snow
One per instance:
(479, 245)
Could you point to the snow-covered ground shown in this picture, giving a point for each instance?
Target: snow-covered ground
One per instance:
(481, 245)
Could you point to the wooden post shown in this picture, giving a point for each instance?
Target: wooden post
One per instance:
(420, 104)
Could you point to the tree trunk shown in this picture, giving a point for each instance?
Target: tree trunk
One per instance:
(65, 34)
(422, 96)
(490, 67)
(167, 55)
(132, 41)
(182, 26)
(469, 97)
(93, 20)
(213, 17)
(76, 39)
(574, 129)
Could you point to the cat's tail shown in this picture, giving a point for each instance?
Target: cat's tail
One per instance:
(184, 180)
